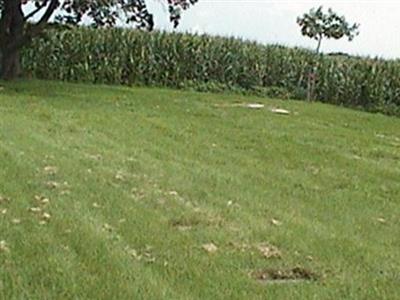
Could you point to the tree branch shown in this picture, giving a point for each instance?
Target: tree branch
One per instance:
(35, 29)
(49, 12)
(33, 13)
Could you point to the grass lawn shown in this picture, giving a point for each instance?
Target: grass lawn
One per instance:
(139, 193)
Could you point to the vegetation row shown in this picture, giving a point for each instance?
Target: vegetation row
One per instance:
(205, 63)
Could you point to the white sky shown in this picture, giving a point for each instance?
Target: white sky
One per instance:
(275, 22)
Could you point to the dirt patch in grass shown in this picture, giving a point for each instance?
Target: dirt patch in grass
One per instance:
(184, 224)
(194, 220)
(297, 274)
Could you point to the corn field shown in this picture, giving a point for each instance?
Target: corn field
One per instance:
(132, 57)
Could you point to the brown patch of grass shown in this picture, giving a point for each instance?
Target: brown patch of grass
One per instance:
(199, 219)
(295, 274)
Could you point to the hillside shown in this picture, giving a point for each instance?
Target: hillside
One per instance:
(138, 193)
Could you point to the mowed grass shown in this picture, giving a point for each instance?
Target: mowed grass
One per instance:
(128, 184)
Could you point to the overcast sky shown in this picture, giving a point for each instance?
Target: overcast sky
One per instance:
(275, 22)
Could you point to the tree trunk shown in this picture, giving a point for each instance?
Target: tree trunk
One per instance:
(312, 77)
(10, 65)
(11, 32)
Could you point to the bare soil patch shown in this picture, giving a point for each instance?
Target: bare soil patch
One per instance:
(294, 275)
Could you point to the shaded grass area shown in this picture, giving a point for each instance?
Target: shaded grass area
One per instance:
(138, 180)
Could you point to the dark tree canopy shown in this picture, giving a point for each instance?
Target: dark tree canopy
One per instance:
(17, 28)
(107, 12)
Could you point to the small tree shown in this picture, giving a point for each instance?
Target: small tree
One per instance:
(319, 25)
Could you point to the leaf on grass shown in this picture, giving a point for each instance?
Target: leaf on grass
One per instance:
(45, 201)
(46, 216)
(119, 176)
(147, 256)
(52, 184)
(16, 221)
(276, 222)
(35, 209)
(50, 169)
(4, 246)
(269, 251)
(107, 227)
(132, 252)
(96, 205)
(42, 200)
(381, 220)
(232, 204)
(184, 227)
(242, 247)
(3, 211)
(210, 248)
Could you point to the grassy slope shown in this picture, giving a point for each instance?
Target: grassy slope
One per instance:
(326, 173)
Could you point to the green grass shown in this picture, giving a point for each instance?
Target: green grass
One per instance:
(145, 177)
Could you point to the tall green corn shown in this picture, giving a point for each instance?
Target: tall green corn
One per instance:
(120, 56)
